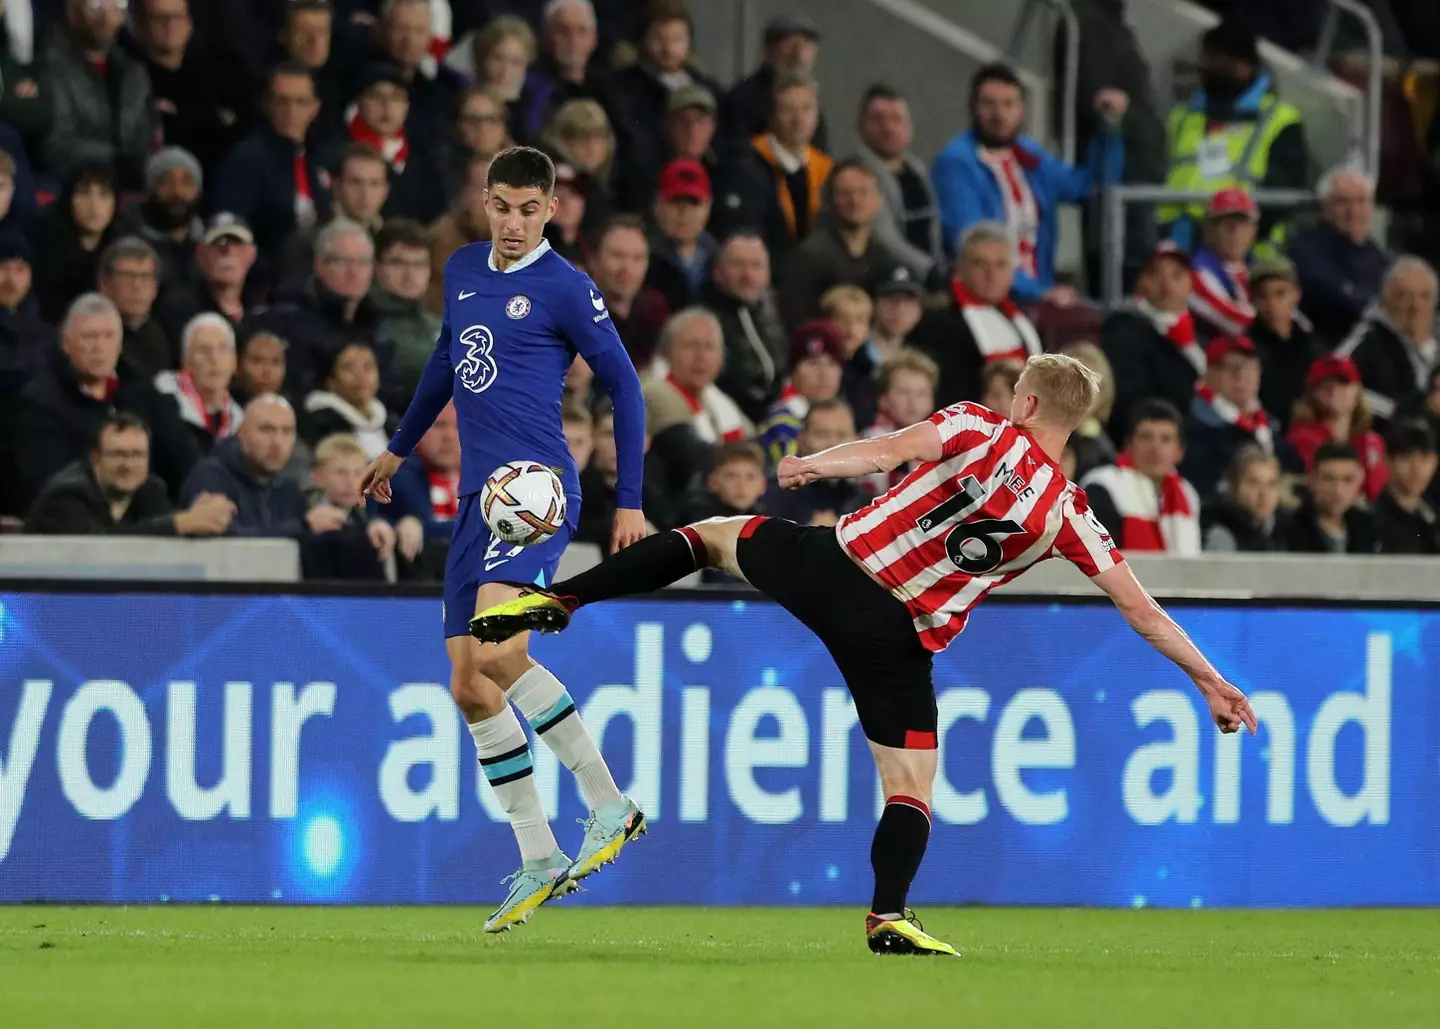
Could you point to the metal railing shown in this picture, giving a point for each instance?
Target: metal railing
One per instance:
(1324, 49)
(1028, 23)
(1115, 199)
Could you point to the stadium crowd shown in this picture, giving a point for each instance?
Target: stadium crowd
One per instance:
(223, 226)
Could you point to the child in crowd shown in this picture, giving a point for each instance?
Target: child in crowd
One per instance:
(354, 545)
(579, 434)
(734, 486)
(907, 386)
(1245, 515)
(997, 385)
(850, 308)
(817, 362)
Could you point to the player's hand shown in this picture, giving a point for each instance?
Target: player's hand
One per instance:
(1229, 707)
(409, 537)
(324, 518)
(376, 482)
(629, 528)
(382, 538)
(795, 472)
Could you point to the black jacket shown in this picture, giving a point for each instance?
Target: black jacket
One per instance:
(1393, 373)
(1284, 364)
(1146, 365)
(178, 306)
(206, 105)
(26, 343)
(745, 111)
(1405, 532)
(755, 350)
(639, 102)
(425, 188)
(1211, 442)
(1305, 536)
(177, 259)
(1339, 278)
(1221, 512)
(150, 347)
(256, 180)
(108, 118)
(58, 423)
(314, 325)
(63, 267)
(821, 262)
(265, 506)
(945, 335)
(72, 504)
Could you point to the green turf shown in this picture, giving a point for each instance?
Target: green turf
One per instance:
(218, 967)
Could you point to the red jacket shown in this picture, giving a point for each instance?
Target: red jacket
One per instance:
(1307, 437)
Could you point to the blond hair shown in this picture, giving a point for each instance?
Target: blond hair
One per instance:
(838, 298)
(499, 29)
(339, 445)
(576, 118)
(908, 360)
(1092, 357)
(1065, 387)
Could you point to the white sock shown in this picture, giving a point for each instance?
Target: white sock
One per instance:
(508, 766)
(546, 705)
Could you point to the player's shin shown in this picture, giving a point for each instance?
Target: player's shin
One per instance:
(546, 705)
(896, 852)
(506, 761)
(651, 564)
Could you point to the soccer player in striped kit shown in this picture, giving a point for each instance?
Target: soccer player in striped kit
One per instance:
(894, 582)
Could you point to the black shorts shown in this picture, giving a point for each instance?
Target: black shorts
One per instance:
(868, 632)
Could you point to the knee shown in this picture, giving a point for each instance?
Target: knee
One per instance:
(502, 663)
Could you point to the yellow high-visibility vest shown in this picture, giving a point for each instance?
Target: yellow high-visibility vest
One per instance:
(1233, 154)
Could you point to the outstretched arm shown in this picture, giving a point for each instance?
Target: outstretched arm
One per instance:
(1228, 705)
(920, 442)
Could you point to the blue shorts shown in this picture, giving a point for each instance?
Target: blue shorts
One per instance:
(477, 557)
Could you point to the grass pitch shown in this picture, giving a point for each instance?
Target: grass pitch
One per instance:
(591, 968)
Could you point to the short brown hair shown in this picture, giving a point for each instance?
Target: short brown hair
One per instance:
(1065, 388)
(1007, 372)
(661, 12)
(400, 232)
(614, 223)
(575, 414)
(739, 450)
(908, 360)
(340, 444)
(363, 152)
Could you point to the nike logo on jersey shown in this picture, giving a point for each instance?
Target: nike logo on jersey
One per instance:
(466, 294)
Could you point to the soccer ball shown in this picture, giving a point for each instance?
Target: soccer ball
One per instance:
(523, 503)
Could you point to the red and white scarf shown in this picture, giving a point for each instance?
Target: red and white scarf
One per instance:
(1022, 212)
(395, 149)
(1001, 331)
(717, 418)
(1179, 329)
(1255, 423)
(1166, 519)
(220, 424)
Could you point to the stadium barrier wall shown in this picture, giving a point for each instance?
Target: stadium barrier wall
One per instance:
(158, 744)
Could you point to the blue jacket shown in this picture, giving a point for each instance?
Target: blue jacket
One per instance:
(968, 193)
(265, 507)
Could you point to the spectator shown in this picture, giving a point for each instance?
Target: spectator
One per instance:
(201, 387)
(419, 186)
(61, 409)
(261, 367)
(1332, 409)
(402, 279)
(201, 97)
(224, 259)
(25, 103)
(1234, 131)
(566, 69)
(1330, 519)
(168, 217)
(1151, 342)
(1090, 442)
(1142, 498)
(907, 385)
(681, 251)
(618, 262)
(1394, 344)
(69, 235)
(579, 385)
(361, 189)
(851, 311)
(565, 230)
(465, 222)
(130, 279)
(483, 131)
(909, 223)
(843, 249)
(1339, 263)
(1282, 335)
(349, 402)
(1225, 413)
(1405, 520)
(273, 180)
(991, 173)
(981, 325)
(1429, 412)
(734, 485)
(686, 415)
(688, 134)
(426, 497)
(17, 186)
(1220, 283)
(580, 135)
(776, 183)
(997, 385)
(643, 91)
(248, 467)
(501, 54)
(828, 423)
(792, 47)
(1245, 516)
(579, 427)
(740, 298)
(111, 492)
(899, 305)
(305, 41)
(817, 363)
(26, 341)
(433, 90)
(101, 97)
(332, 310)
(358, 546)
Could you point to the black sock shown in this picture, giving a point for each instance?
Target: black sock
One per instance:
(653, 563)
(895, 854)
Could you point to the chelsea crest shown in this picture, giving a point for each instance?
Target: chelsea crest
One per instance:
(518, 307)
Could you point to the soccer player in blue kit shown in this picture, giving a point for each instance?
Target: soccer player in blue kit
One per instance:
(516, 314)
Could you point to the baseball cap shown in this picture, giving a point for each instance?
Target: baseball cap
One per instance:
(693, 95)
(900, 280)
(1331, 367)
(1232, 201)
(1277, 267)
(1222, 347)
(225, 225)
(1167, 248)
(816, 338)
(790, 25)
(685, 179)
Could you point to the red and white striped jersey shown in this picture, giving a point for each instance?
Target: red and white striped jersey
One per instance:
(954, 529)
